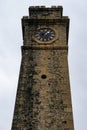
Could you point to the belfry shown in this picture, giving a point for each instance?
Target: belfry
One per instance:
(43, 100)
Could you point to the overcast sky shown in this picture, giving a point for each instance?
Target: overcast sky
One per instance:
(11, 12)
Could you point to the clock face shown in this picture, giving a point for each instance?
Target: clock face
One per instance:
(45, 34)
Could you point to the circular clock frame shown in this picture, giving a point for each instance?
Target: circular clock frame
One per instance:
(45, 35)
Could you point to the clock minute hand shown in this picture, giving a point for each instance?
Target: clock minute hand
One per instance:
(46, 33)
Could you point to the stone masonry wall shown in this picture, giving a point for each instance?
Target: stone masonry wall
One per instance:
(43, 98)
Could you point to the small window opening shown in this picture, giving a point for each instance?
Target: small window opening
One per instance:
(64, 122)
(43, 76)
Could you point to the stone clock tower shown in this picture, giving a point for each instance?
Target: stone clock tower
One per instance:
(43, 100)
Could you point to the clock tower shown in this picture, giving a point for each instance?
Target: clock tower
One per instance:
(43, 100)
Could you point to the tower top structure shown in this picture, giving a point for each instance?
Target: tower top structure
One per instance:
(39, 15)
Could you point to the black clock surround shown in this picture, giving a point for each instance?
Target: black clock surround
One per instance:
(45, 34)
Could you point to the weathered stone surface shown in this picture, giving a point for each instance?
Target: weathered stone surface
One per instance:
(43, 100)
